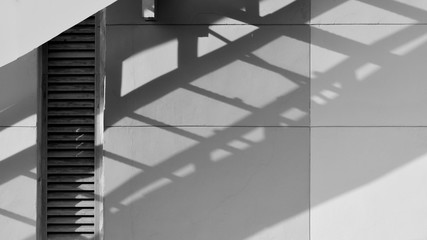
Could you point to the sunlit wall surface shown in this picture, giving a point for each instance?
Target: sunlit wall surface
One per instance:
(267, 119)
(18, 152)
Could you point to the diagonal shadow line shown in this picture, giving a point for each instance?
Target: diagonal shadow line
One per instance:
(179, 131)
(290, 75)
(153, 172)
(259, 62)
(398, 8)
(406, 35)
(283, 15)
(325, 7)
(236, 102)
(16, 112)
(381, 57)
(17, 217)
(126, 161)
(348, 47)
(173, 129)
(408, 32)
(17, 165)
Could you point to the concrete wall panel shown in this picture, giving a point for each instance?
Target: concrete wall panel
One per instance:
(368, 183)
(368, 12)
(368, 75)
(207, 75)
(18, 91)
(18, 183)
(241, 183)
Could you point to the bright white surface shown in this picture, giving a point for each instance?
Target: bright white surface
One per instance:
(25, 25)
(368, 183)
(259, 191)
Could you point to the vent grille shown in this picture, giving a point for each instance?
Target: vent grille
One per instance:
(70, 133)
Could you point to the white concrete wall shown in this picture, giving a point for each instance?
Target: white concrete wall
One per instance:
(256, 120)
(18, 151)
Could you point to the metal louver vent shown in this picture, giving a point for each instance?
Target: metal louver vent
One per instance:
(70, 108)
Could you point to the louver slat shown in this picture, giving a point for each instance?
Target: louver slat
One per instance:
(70, 96)
(70, 146)
(71, 104)
(71, 71)
(71, 236)
(74, 38)
(71, 87)
(70, 195)
(70, 203)
(71, 79)
(70, 178)
(71, 120)
(72, 54)
(70, 212)
(71, 129)
(71, 112)
(70, 170)
(76, 137)
(71, 63)
(70, 220)
(71, 46)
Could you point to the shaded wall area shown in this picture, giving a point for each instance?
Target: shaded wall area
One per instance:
(259, 120)
(18, 154)
(207, 121)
